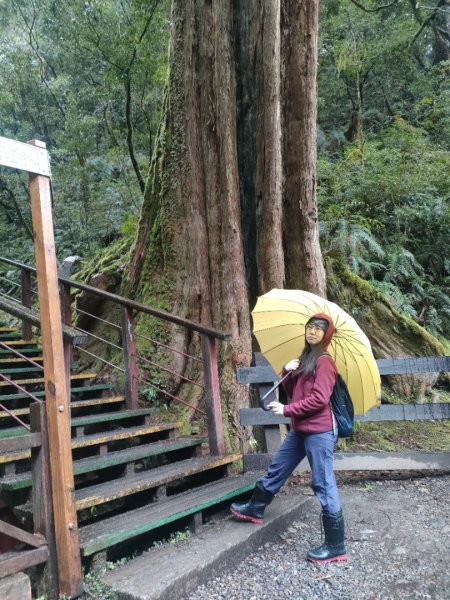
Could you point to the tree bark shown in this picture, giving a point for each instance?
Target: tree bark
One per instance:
(257, 34)
(299, 33)
(211, 235)
(190, 231)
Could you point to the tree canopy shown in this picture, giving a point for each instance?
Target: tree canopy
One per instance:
(88, 79)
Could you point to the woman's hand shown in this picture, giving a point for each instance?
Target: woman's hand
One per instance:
(292, 365)
(276, 407)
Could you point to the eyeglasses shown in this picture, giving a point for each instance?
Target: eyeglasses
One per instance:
(314, 328)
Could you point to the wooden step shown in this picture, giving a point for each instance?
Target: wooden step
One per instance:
(22, 370)
(87, 420)
(41, 380)
(19, 412)
(16, 359)
(100, 439)
(9, 336)
(74, 392)
(24, 343)
(21, 481)
(4, 351)
(153, 478)
(113, 530)
(5, 329)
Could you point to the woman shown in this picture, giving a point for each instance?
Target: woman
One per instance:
(313, 433)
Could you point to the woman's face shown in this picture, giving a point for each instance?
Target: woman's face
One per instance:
(314, 334)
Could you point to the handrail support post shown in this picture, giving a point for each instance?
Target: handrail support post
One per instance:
(212, 396)
(129, 358)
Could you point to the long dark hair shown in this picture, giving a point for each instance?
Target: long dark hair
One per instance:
(308, 359)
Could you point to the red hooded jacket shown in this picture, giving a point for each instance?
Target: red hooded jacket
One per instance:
(309, 395)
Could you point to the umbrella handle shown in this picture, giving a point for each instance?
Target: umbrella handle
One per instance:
(272, 389)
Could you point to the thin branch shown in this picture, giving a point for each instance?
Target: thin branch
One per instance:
(370, 10)
(130, 133)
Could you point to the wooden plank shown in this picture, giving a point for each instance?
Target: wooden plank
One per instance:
(11, 445)
(258, 416)
(74, 392)
(77, 376)
(386, 366)
(56, 386)
(407, 412)
(25, 157)
(111, 459)
(249, 375)
(413, 364)
(23, 560)
(86, 440)
(120, 488)
(111, 416)
(122, 434)
(386, 412)
(111, 531)
(35, 540)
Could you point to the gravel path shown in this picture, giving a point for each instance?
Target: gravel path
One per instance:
(397, 539)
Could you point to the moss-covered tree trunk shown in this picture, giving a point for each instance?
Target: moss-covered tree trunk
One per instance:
(211, 235)
(189, 245)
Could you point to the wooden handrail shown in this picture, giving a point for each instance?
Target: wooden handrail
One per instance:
(162, 314)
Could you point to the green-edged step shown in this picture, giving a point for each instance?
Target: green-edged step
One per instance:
(138, 482)
(84, 421)
(21, 481)
(74, 392)
(103, 438)
(113, 530)
(112, 401)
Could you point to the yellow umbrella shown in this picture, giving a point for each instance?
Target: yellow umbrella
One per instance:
(279, 320)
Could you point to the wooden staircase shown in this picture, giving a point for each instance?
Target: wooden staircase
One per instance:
(136, 478)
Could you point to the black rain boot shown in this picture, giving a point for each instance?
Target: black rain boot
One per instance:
(333, 549)
(253, 510)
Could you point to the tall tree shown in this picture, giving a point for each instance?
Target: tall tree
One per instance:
(299, 35)
(212, 233)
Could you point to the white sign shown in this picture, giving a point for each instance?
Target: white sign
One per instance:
(26, 157)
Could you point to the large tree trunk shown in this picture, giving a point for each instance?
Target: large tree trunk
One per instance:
(257, 33)
(210, 237)
(299, 33)
(190, 231)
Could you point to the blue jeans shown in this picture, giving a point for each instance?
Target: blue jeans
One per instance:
(319, 448)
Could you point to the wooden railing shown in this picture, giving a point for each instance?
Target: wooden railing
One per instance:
(129, 311)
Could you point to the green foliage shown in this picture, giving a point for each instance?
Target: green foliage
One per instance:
(385, 207)
(87, 78)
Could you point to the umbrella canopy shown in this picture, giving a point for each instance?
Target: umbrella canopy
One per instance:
(279, 320)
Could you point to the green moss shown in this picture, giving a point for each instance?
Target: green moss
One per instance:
(401, 436)
(379, 319)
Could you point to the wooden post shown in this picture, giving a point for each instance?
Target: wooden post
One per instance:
(129, 358)
(26, 301)
(42, 497)
(56, 389)
(66, 312)
(212, 396)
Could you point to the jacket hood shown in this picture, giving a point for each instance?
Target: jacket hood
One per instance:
(329, 332)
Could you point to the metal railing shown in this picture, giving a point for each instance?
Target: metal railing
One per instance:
(121, 341)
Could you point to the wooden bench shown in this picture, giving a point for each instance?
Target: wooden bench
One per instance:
(263, 376)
